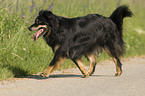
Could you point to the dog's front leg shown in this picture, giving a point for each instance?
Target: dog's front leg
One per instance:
(57, 61)
(80, 65)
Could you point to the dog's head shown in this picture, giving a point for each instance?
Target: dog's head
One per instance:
(41, 24)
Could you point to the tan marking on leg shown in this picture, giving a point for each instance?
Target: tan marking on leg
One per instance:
(47, 71)
(119, 72)
(50, 69)
(82, 68)
(109, 53)
(92, 60)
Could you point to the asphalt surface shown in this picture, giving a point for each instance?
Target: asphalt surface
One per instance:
(70, 82)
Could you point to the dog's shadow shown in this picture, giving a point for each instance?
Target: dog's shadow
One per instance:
(38, 77)
(54, 76)
(21, 73)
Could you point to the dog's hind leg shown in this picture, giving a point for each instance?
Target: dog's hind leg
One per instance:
(92, 58)
(57, 61)
(116, 61)
(118, 66)
(80, 65)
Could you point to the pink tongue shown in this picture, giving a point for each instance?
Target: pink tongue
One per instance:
(37, 34)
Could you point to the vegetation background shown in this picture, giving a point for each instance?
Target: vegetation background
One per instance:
(20, 56)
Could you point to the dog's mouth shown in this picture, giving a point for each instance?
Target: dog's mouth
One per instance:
(39, 33)
(42, 29)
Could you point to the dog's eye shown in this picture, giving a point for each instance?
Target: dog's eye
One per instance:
(37, 21)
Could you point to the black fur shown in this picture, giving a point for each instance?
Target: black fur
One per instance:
(80, 36)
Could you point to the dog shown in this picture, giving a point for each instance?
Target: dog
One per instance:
(72, 38)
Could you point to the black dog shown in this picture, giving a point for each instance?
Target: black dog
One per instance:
(70, 38)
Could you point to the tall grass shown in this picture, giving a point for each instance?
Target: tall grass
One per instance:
(20, 56)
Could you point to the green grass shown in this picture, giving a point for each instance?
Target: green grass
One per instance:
(20, 56)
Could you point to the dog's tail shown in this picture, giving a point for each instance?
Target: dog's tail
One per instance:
(119, 14)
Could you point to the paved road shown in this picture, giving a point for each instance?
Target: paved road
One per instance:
(70, 83)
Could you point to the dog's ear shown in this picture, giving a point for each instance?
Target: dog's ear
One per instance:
(41, 12)
(48, 14)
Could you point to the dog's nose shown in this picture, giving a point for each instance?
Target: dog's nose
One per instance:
(30, 28)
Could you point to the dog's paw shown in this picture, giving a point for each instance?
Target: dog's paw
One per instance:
(85, 75)
(43, 75)
(118, 73)
(91, 73)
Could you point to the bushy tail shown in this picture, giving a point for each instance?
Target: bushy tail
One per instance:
(118, 15)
